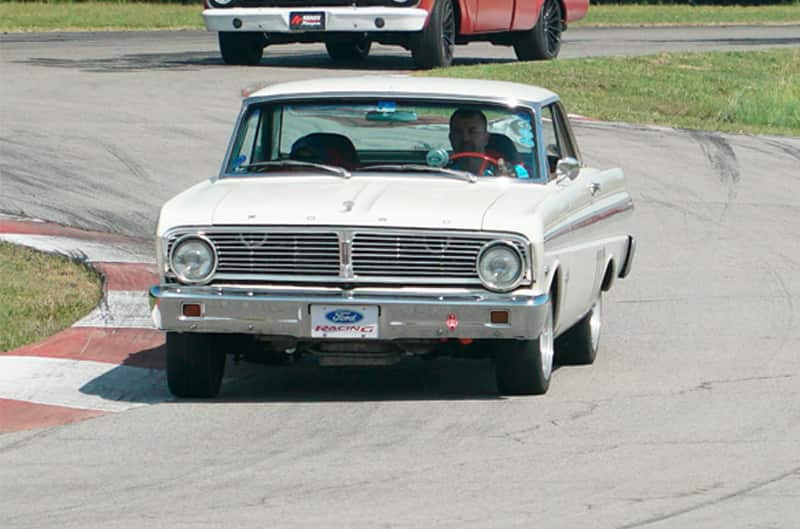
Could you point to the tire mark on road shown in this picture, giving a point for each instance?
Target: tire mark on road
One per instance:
(789, 150)
(646, 198)
(27, 439)
(722, 158)
(708, 385)
(786, 295)
(136, 170)
(712, 502)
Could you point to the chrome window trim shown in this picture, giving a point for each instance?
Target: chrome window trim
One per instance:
(534, 107)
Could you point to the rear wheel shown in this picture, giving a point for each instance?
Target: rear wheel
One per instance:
(579, 345)
(524, 367)
(353, 50)
(194, 365)
(241, 48)
(433, 46)
(543, 41)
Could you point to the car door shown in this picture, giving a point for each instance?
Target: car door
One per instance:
(494, 15)
(569, 239)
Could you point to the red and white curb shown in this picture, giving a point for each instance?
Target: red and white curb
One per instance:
(111, 360)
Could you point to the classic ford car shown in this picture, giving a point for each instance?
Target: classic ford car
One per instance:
(362, 220)
(429, 28)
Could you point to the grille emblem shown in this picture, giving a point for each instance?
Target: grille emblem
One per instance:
(346, 252)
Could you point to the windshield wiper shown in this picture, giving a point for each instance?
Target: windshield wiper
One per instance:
(341, 171)
(419, 168)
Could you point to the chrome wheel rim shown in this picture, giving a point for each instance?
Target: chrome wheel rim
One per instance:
(596, 322)
(546, 345)
(448, 30)
(552, 25)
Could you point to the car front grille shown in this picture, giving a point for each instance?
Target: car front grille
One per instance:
(347, 255)
(278, 253)
(409, 255)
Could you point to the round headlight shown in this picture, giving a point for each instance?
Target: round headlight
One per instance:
(500, 266)
(221, 3)
(193, 259)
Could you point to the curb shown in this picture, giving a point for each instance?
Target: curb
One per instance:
(109, 361)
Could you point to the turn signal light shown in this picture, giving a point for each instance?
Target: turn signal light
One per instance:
(192, 310)
(499, 316)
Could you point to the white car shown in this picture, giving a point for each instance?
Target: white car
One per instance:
(343, 227)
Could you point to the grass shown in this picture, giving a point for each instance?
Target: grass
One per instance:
(41, 294)
(636, 15)
(692, 90)
(83, 16)
(98, 16)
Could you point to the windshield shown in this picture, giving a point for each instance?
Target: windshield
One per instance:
(382, 136)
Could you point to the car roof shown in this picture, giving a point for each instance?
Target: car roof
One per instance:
(408, 85)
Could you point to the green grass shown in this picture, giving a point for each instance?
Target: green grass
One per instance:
(41, 294)
(82, 16)
(68, 16)
(753, 92)
(635, 15)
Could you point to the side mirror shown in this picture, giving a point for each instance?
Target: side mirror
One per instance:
(567, 167)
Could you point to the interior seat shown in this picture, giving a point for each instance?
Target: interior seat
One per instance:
(501, 146)
(326, 148)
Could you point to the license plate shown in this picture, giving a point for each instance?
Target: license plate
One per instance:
(332, 321)
(306, 20)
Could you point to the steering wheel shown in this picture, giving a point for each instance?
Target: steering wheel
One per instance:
(486, 160)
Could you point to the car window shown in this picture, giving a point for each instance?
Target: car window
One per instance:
(564, 130)
(246, 147)
(365, 133)
(557, 137)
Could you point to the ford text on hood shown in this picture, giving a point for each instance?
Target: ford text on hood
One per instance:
(360, 201)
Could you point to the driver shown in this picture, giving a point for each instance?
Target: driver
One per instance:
(469, 132)
(469, 137)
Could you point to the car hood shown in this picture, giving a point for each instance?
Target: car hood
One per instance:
(359, 201)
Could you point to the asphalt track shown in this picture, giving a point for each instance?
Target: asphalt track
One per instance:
(689, 418)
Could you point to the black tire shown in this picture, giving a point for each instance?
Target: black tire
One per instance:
(579, 344)
(543, 41)
(194, 365)
(433, 46)
(355, 50)
(525, 367)
(243, 49)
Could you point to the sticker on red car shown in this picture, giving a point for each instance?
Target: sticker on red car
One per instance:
(307, 20)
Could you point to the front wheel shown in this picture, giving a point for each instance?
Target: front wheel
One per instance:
(194, 365)
(433, 46)
(241, 48)
(524, 367)
(579, 345)
(355, 50)
(543, 41)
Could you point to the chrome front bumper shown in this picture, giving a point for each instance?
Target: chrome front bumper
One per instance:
(357, 19)
(402, 313)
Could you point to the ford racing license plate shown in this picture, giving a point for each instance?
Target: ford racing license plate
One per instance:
(331, 321)
(306, 20)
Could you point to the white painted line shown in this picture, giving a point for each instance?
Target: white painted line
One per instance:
(120, 309)
(80, 384)
(81, 249)
(8, 216)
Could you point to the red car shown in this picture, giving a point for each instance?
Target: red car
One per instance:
(429, 28)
